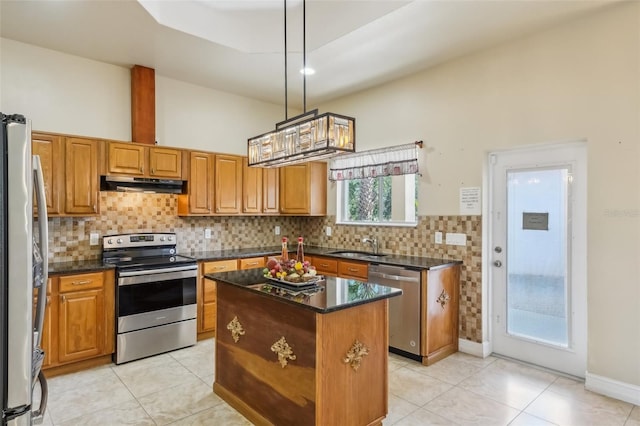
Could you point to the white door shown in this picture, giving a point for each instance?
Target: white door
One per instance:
(537, 262)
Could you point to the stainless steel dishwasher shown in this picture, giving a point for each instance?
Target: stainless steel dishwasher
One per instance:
(404, 311)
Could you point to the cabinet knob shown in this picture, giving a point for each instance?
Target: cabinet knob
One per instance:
(153, 171)
(141, 169)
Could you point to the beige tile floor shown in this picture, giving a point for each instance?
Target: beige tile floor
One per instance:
(175, 388)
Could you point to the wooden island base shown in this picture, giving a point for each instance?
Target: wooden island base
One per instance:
(281, 364)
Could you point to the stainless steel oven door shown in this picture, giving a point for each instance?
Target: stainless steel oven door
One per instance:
(152, 290)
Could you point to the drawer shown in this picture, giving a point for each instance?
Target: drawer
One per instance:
(325, 266)
(353, 270)
(209, 291)
(220, 266)
(81, 282)
(251, 262)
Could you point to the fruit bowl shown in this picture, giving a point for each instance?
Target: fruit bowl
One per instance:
(290, 271)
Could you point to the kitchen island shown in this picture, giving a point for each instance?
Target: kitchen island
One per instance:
(302, 357)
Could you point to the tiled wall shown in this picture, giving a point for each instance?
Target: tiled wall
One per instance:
(130, 212)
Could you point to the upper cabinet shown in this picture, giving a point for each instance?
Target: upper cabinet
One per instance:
(70, 171)
(251, 189)
(271, 191)
(303, 189)
(228, 184)
(199, 200)
(130, 159)
(51, 151)
(81, 176)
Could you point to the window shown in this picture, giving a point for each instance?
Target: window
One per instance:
(383, 200)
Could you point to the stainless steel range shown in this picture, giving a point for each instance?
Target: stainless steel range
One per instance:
(155, 294)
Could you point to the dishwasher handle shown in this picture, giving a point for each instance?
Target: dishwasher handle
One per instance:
(373, 274)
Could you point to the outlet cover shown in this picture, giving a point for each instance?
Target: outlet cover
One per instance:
(438, 237)
(328, 231)
(456, 239)
(207, 233)
(276, 230)
(94, 239)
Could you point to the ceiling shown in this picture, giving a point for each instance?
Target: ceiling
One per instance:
(237, 46)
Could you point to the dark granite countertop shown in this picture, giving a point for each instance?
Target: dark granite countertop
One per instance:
(78, 266)
(331, 294)
(408, 261)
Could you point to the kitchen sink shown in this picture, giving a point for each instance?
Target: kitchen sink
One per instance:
(357, 254)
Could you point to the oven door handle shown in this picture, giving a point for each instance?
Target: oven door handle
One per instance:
(157, 271)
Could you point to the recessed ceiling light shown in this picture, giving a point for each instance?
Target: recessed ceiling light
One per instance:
(307, 71)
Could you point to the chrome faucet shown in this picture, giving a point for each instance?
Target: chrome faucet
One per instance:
(374, 243)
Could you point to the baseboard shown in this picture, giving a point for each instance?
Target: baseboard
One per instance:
(481, 350)
(613, 388)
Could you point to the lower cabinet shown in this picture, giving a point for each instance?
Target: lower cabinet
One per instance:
(79, 321)
(325, 265)
(207, 295)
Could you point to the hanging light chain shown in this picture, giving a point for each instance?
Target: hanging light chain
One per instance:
(286, 107)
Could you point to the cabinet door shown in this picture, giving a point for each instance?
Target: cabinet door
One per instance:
(165, 162)
(126, 159)
(251, 189)
(81, 176)
(442, 309)
(271, 191)
(49, 148)
(208, 320)
(200, 183)
(49, 329)
(295, 182)
(228, 184)
(80, 320)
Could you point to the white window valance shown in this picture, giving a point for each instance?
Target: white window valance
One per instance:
(395, 160)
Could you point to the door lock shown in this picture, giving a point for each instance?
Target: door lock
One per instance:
(497, 264)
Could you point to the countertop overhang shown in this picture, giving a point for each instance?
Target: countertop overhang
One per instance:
(331, 294)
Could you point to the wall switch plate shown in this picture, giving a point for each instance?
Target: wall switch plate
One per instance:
(438, 237)
(207, 233)
(94, 239)
(456, 239)
(276, 230)
(328, 231)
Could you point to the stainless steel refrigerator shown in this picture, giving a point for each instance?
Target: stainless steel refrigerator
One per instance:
(23, 272)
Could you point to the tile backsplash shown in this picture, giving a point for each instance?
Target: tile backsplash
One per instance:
(132, 212)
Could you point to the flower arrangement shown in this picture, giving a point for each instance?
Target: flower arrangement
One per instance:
(289, 270)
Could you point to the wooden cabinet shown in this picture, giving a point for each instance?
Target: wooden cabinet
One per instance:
(81, 317)
(81, 176)
(207, 304)
(51, 151)
(131, 159)
(251, 263)
(70, 171)
(355, 270)
(251, 189)
(228, 184)
(325, 265)
(303, 189)
(271, 191)
(439, 313)
(79, 320)
(199, 199)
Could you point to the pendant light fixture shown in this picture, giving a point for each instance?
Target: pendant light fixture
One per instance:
(305, 137)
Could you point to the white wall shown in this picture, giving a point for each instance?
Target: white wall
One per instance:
(68, 94)
(577, 81)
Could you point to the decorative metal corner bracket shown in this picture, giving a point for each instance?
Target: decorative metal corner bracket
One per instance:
(355, 354)
(236, 329)
(284, 351)
(443, 298)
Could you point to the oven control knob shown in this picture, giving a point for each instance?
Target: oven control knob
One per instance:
(172, 259)
(172, 251)
(119, 241)
(170, 237)
(161, 238)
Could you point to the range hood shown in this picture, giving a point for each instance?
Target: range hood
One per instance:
(137, 184)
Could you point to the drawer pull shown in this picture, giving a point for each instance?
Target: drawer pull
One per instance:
(218, 268)
(251, 263)
(354, 270)
(83, 282)
(324, 265)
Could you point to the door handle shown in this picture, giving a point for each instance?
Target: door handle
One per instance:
(497, 263)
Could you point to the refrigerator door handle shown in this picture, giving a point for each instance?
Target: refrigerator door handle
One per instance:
(43, 243)
(37, 417)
